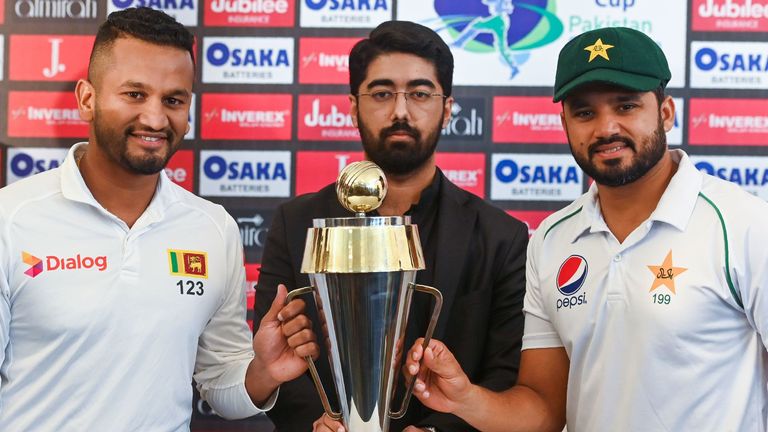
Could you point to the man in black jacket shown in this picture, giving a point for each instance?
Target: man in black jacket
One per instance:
(400, 93)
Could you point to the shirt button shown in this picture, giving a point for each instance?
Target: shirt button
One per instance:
(617, 258)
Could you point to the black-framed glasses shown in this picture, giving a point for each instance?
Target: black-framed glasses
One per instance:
(417, 97)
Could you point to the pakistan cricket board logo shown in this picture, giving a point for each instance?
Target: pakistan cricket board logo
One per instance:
(498, 27)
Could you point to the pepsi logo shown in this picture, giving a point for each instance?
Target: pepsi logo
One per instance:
(572, 274)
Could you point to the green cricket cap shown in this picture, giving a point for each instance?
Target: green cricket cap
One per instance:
(615, 55)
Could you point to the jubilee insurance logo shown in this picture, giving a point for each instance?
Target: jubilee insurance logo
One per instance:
(499, 28)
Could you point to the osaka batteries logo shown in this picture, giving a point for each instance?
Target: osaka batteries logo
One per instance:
(499, 27)
(570, 278)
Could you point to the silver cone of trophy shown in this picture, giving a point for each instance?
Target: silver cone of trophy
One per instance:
(362, 271)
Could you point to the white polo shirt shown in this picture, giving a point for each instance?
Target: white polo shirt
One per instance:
(103, 325)
(668, 330)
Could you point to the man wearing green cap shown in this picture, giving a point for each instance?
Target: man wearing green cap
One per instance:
(646, 307)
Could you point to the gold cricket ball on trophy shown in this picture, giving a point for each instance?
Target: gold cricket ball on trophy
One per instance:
(361, 187)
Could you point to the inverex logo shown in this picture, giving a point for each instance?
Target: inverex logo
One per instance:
(184, 11)
(730, 15)
(325, 60)
(249, 13)
(535, 177)
(317, 169)
(526, 119)
(326, 118)
(465, 170)
(246, 116)
(44, 114)
(737, 65)
(248, 60)
(749, 172)
(728, 122)
(245, 173)
(27, 161)
(48, 57)
(345, 13)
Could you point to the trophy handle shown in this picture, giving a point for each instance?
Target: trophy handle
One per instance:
(427, 337)
(311, 363)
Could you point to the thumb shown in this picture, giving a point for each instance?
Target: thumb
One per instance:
(441, 361)
(273, 314)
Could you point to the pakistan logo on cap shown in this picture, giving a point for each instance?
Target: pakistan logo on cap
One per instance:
(598, 49)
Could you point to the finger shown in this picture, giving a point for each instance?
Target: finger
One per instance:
(277, 304)
(295, 325)
(293, 309)
(440, 360)
(311, 349)
(301, 338)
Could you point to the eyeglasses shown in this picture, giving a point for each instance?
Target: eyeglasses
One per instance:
(417, 98)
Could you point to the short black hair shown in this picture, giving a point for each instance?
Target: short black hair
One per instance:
(401, 37)
(142, 23)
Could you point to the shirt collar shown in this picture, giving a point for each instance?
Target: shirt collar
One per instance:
(674, 208)
(73, 187)
(428, 196)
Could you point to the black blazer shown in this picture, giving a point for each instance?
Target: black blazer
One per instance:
(480, 270)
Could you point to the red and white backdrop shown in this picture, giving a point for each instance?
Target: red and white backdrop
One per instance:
(269, 119)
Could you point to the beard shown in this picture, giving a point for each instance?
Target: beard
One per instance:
(114, 143)
(399, 158)
(653, 149)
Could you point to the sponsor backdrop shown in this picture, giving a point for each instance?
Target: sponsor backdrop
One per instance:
(269, 120)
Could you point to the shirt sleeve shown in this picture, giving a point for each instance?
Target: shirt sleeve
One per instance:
(5, 295)
(751, 277)
(225, 347)
(539, 331)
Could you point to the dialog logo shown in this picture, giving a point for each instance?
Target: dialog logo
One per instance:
(535, 177)
(27, 161)
(48, 57)
(245, 173)
(248, 60)
(730, 15)
(184, 11)
(729, 65)
(326, 118)
(62, 263)
(325, 60)
(345, 13)
(254, 116)
(249, 13)
(728, 122)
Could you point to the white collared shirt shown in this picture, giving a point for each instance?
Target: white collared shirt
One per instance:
(668, 330)
(103, 326)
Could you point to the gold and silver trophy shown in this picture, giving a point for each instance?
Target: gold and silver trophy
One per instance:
(362, 271)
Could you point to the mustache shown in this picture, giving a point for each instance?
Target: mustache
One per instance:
(400, 127)
(168, 132)
(611, 139)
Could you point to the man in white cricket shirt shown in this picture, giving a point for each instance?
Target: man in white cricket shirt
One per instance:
(116, 285)
(647, 298)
